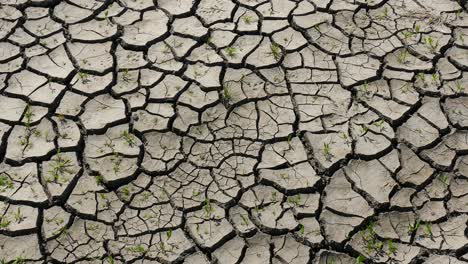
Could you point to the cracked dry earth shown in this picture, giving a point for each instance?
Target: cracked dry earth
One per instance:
(234, 131)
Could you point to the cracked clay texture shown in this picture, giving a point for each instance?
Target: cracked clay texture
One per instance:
(234, 131)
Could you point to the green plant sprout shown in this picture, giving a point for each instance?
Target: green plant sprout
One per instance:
(83, 77)
(433, 45)
(129, 138)
(247, 19)
(126, 76)
(18, 215)
(364, 130)
(421, 76)
(227, 94)
(459, 88)
(5, 182)
(444, 180)
(275, 51)
(326, 151)
(434, 77)
(169, 234)
(60, 165)
(403, 56)
(414, 227)
(110, 260)
(274, 196)
(208, 208)
(138, 249)
(245, 222)
(301, 230)
(370, 238)
(380, 124)
(428, 228)
(116, 160)
(19, 260)
(407, 34)
(99, 179)
(231, 51)
(295, 200)
(391, 247)
(384, 13)
(360, 259)
(28, 116)
(4, 223)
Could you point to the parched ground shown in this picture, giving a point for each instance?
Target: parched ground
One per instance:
(234, 131)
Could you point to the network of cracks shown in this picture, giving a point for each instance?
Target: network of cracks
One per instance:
(234, 131)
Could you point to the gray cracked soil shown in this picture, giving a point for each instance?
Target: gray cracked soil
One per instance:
(234, 131)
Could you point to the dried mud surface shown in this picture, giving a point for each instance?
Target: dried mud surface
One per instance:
(234, 131)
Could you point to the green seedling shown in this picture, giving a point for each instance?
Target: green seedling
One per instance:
(295, 200)
(360, 259)
(18, 215)
(274, 196)
(28, 116)
(37, 133)
(403, 56)
(110, 260)
(326, 151)
(116, 161)
(444, 180)
(19, 260)
(414, 227)
(231, 51)
(247, 19)
(434, 77)
(4, 223)
(407, 34)
(433, 45)
(227, 94)
(245, 221)
(208, 208)
(99, 179)
(126, 76)
(60, 165)
(289, 140)
(138, 249)
(370, 238)
(83, 77)
(428, 229)
(459, 88)
(301, 230)
(380, 124)
(275, 51)
(5, 182)
(422, 76)
(365, 87)
(384, 13)
(126, 192)
(417, 29)
(364, 90)
(391, 247)
(129, 138)
(364, 130)
(169, 234)
(162, 247)
(145, 196)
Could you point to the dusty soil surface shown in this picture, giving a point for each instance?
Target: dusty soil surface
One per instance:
(234, 131)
